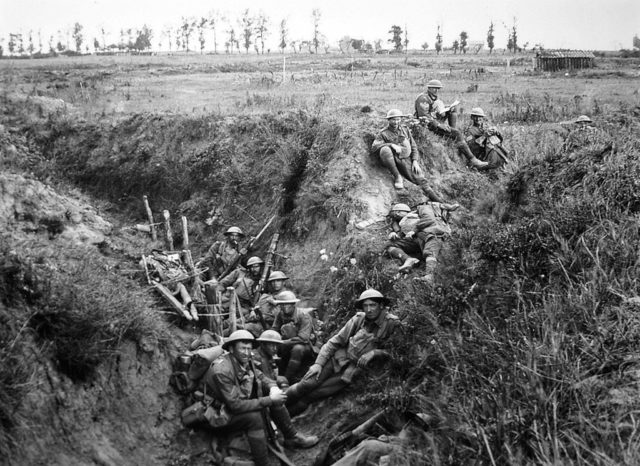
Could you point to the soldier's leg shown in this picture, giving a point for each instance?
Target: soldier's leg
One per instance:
(396, 253)
(430, 252)
(298, 353)
(452, 117)
(464, 149)
(186, 299)
(252, 424)
(292, 438)
(404, 167)
(306, 385)
(389, 162)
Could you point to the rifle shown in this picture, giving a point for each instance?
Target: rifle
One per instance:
(268, 264)
(232, 266)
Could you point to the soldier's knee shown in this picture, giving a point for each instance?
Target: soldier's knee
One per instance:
(386, 152)
(297, 351)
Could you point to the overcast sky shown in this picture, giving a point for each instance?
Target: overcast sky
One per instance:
(576, 24)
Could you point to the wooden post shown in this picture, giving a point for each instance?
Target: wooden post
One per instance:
(185, 233)
(284, 68)
(167, 228)
(154, 235)
(233, 324)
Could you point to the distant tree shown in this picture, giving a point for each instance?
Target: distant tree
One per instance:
(60, 47)
(31, 48)
(77, 36)
(377, 44)
(201, 26)
(317, 35)
(293, 45)
(230, 44)
(367, 47)
(345, 45)
(52, 49)
(463, 41)
(490, 38)
(456, 46)
(425, 46)
(357, 44)
(512, 41)
(12, 44)
(187, 27)
(406, 39)
(96, 45)
(143, 38)
(396, 37)
(214, 21)
(130, 38)
(438, 42)
(39, 41)
(262, 23)
(246, 22)
(20, 39)
(283, 35)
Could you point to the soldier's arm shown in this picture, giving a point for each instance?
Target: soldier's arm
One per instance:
(439, 108)
(378, 143)
(415, 155)
(305, 329)
(231, 395)
(227, 281)
(422, 107)
(339, 340)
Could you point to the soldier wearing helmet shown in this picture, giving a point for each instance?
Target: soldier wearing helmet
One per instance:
(348, 353)
(418, 234)
(245, 390)
(443, 120)
(223, 253)
(485, 143)
(296, 327)
(266, 356)
(399, 154)
(267, 302)
(245, 282)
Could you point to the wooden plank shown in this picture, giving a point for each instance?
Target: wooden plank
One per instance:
(152, 227)
(177, 305)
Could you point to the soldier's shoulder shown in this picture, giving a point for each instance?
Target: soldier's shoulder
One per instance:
(222, 363)
(421, 96)
(359, 314)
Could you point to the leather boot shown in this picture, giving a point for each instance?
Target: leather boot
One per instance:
(397, 253)
(259, 449)
(398, 182)
(301, 441)
(430, 193)
(409, 263)
(473, 161)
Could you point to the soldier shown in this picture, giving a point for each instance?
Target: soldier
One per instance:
(266, 356)
(485, 143)
(296, 327)
(347, 353)
(398, 153)
(583, 121)
(267, 303)
(442, 121)
(245, 391)
(245, 282)
(223, 254)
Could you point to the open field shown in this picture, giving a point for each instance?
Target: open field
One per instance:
(524, 350)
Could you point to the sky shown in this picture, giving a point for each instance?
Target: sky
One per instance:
(574, 24)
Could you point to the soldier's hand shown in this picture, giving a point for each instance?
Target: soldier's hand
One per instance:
(271, 301)
(431, 124)
(243, 251)
(278, 397)
(365, 359)
(313, 372)
(396, 148)
(415, 168)
(393, 236)
(410, 234)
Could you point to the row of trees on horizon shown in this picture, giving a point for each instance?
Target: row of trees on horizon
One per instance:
(248, 33)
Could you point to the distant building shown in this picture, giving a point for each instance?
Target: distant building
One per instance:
(556, 60)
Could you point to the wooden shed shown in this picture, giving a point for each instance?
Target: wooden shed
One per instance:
(556, 60)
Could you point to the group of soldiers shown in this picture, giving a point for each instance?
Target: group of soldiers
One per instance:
(418, 234)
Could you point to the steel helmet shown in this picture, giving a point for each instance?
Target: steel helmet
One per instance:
(238, 335)
(583, 118)
(270, 336)
(235, 230)
(394, 112)
(370, 294)
(277, 275)
(286, 297)
(254, 260)
(435, 83)
(477, 111)
(401, 208)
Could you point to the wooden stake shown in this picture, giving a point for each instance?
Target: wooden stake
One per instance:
(152, 227)
(233, 324)
(185, 233)
(167, 228)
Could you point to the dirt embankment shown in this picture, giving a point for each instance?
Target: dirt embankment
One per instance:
(316, 175)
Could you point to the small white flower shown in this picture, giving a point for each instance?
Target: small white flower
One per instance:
(323, 251)
(353, 261)
(433, 342)
(333, 269)
(324, 257)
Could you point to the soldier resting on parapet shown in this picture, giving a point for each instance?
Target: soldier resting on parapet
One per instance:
(398, 152)
(442, 121)
(485, 143)
(419, 233)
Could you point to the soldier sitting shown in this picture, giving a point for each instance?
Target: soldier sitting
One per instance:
(398, 153)
(223, 254)
(442, 121)
(296, 327)
(419, 233)
(347, 353)
(267, 303)
(266, 356)
(245, 391)
(485, 143)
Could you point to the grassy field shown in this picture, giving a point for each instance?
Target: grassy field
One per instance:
(524, 351)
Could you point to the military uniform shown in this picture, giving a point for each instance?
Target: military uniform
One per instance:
(339, 357)
(269, 367)
(403, 160)
(242, 391)
(299, 337)
(486, 145)
(268, 308)
(443, 123)
(219, 257)
(246, 288)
